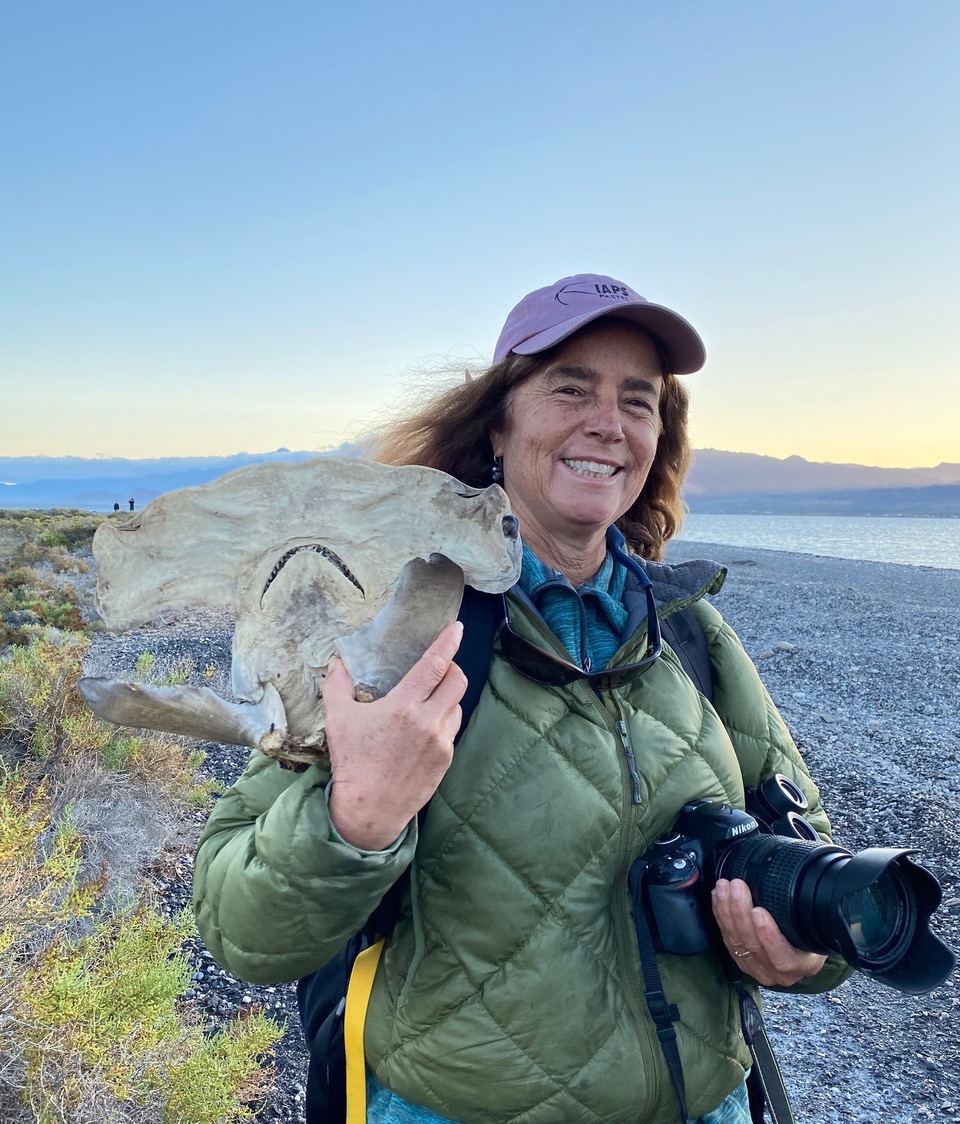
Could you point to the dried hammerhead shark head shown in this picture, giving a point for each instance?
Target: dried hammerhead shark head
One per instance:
(331, 555)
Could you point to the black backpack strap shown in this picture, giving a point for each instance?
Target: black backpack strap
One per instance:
(765, 1086)
(663, 1013)
(482, 615)
(321, 1001)
(683, 633)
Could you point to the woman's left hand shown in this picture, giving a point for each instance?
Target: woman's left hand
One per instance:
(754, 939)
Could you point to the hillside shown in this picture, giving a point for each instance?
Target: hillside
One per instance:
(718, 482)
(719, 473)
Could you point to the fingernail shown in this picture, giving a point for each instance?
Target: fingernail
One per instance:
(458, 630)
(758, 919)
(721, 891)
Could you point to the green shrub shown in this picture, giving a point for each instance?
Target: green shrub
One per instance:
(27, 600)
(29, 537)
(169, 673)
(98, 1015)
(92, 1029)
(73, 531)
(42, 712)
(35, 546)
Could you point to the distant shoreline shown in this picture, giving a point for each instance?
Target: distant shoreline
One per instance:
(907, 540)
(821, 505)
(793, 561)
(719, 482)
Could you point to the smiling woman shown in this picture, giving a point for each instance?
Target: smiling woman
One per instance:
(510, 986)
(578, 441)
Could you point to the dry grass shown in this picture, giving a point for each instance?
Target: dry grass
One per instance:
(92, 1027)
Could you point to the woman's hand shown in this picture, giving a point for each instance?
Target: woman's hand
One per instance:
(754, 939)
(388, 757)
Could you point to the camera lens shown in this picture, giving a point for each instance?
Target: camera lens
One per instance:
(872, 907)
(876, 915)
(795, 826)
(777, 870)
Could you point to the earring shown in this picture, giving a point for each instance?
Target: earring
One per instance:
(496, 474)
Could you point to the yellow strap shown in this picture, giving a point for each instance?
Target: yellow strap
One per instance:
(355, 1015)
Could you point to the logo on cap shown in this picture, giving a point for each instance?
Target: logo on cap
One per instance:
(604, 291)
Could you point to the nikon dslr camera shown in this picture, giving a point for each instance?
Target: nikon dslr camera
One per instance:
(873, 908)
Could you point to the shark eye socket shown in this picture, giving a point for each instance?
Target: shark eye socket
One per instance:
(316, 548)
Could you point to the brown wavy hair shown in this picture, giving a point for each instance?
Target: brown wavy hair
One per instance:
(452, 432)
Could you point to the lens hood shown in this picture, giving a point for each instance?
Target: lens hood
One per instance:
(864, 891)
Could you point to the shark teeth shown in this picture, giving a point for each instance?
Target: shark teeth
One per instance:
(330, 555)
(591, 468)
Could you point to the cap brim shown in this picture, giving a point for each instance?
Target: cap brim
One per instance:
(680, 339)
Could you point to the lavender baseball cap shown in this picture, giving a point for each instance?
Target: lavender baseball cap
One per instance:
(549, 315)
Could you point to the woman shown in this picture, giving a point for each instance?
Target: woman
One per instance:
(511, 987)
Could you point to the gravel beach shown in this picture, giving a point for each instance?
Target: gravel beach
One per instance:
(863, 660)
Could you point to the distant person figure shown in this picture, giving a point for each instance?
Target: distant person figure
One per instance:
(131, 505)
(116, 506)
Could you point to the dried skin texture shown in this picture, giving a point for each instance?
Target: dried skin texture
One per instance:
(425, 599)
(306, 556)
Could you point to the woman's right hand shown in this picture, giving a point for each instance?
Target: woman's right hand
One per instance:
(388, 757)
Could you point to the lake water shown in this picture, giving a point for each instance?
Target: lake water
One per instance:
(909, 541)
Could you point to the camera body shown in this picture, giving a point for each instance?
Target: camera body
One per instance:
(682, 870)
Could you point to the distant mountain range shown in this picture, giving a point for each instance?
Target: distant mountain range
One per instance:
(718, 482)
(96, 484)
(744, 483)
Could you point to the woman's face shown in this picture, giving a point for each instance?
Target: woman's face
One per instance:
(581, 434)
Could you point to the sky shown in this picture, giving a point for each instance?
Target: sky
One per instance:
(238, 226)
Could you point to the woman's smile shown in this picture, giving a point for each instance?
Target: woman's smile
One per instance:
(592, 469)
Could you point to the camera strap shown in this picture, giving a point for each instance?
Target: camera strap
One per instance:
(766, 1071)
(765, 1084)
(664, 1014)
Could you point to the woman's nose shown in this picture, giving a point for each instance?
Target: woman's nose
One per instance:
(605, 421)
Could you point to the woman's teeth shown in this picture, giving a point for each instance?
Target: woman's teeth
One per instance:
(591, 468)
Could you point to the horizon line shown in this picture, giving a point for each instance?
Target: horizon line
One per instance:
(332, 450)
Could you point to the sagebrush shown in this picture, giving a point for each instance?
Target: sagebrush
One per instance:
(93, 1029)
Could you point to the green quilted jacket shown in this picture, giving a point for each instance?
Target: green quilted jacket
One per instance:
(510, 990)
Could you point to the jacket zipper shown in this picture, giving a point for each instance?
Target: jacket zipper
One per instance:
(625, 941)
(624, 934)
(631, 760)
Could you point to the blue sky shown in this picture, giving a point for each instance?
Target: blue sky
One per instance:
(241, 226)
